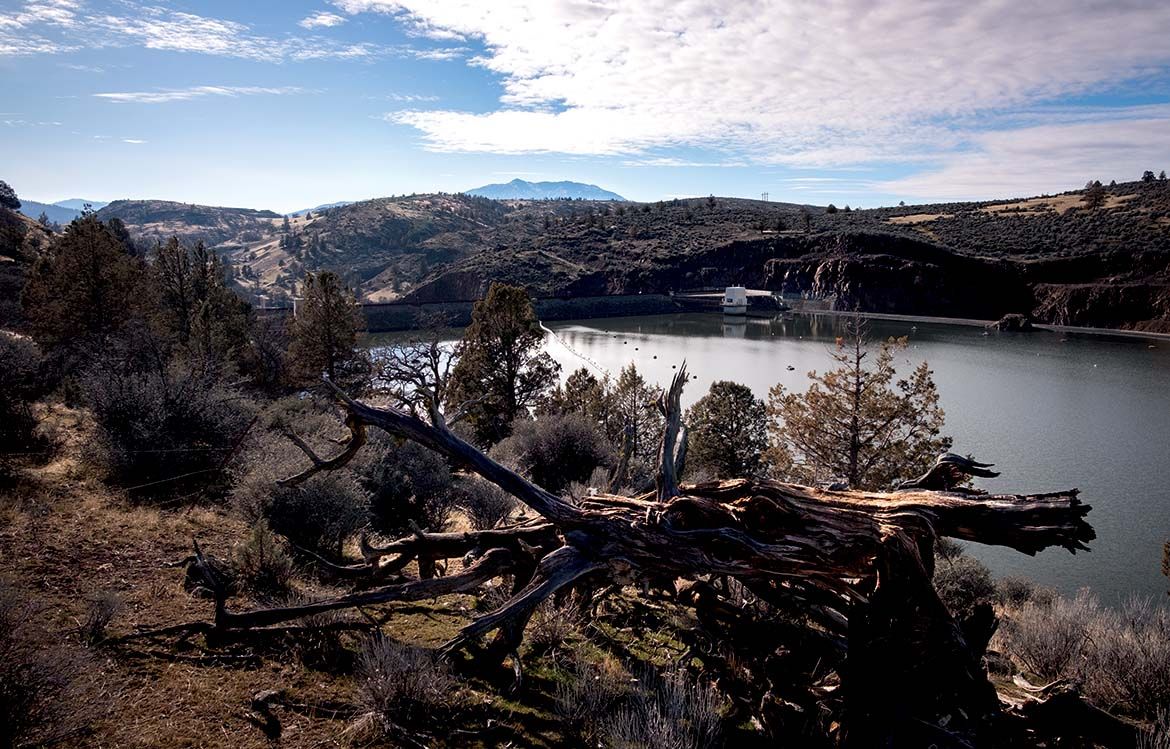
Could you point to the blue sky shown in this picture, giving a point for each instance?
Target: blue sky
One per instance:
(286, 105)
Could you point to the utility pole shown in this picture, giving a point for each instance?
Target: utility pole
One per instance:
(764, 197)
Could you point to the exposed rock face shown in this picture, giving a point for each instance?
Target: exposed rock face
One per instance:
(1013, 323)
(1142, 306)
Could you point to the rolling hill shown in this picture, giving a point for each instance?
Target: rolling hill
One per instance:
(519, 189)
(1052, 256)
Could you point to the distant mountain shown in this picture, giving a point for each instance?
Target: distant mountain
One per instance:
(322, 207)
(60, 214)
(78, 203)
(519, 189)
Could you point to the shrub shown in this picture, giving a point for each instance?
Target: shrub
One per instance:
(1158, 736)
(170, 425)
(1016, 591)
(320, 514)
(962, 583)
(669, 710)
(407, 483)
(485, 504)
(553, 623)
(47, 690)
(20, 366)
(555, 450)
(99, 613)
(263, 564)
(1128, 667)
(590, 693)
(1121, 656)
(1050, 640)
(399, 683)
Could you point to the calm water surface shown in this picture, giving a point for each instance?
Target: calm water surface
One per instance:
(1051, 410)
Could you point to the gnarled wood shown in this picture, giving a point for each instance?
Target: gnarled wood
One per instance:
(855, 565)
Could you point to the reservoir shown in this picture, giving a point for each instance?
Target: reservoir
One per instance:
(1052, 410)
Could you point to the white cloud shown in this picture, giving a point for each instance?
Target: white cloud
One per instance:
(196, 92)
(134, 141)
(321, 19)
(802, 83)
(23, 32)
(1046, 158)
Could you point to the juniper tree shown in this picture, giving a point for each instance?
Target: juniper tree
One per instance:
(728, 432)
(502, 369)
(856, 422)
(86, 288)
(324, 333)
(8, 197)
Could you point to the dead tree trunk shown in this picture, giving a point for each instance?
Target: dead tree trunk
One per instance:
(855, 566)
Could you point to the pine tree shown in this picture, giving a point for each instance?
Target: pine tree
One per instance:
(197, 310)
(855, 422)
(1094, 196)
(86, 289)
(502, 370)
(324, 334)
(8, 197)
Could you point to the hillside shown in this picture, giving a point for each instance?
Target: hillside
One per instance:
(59, 214)
(1051, 256)
(519, 189)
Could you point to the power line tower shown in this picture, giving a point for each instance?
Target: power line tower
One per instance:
(764, 197)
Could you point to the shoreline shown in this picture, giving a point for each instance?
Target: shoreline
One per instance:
(971, 322)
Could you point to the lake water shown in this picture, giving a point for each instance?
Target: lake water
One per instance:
(1051, 410)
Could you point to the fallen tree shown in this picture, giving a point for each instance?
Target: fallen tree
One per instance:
(850, 643)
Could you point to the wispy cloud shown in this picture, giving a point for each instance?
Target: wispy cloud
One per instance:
(321, 19)
(133, 141)
(57, 26)
(197, 92)
(83, 68)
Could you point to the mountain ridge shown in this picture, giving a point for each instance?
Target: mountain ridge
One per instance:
(1057, 258)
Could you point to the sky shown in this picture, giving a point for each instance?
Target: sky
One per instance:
(284, 104)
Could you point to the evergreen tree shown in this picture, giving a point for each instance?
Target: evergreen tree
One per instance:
(727, 432)
(1094, 196)
(635, 426)
(502, 370)
(86, 288)
(8, 197)
(197, 310)
(324, 333)
(44, 221)
(855, 423)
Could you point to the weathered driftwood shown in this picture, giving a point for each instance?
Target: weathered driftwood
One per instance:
(853, 568)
